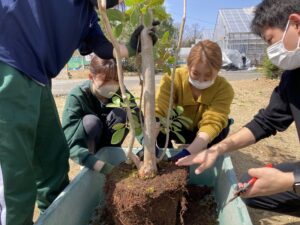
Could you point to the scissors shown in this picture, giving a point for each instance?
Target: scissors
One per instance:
(244, 188)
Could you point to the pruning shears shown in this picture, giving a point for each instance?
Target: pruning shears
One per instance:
(244, 188)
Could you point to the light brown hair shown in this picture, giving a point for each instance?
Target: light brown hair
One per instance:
(105, 67)
(208, 52)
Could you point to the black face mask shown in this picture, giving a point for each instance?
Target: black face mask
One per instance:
(109, 3)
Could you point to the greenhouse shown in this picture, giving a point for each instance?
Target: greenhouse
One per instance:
(232, 31)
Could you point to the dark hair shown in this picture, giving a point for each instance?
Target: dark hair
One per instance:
(105, 67)
(208, 52)
(273, 13)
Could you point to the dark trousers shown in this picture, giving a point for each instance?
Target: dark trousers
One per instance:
(285, 203)
(99, 132)
(189, 137)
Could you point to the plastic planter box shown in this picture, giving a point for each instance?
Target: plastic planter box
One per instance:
(76, 204)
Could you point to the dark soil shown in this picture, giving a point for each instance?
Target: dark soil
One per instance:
(201, 208)
(164, 200)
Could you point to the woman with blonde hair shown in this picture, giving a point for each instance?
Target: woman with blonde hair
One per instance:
(204, 95)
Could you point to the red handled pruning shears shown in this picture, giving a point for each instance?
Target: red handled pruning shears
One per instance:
(244, 188)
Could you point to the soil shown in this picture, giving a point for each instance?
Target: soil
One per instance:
(164, 200)
(201, 207)
(132, 200)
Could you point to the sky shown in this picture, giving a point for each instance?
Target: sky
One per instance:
(204, 12)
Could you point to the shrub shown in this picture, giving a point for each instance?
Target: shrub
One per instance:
(269, 70)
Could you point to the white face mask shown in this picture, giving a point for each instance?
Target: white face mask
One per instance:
(283, 58)
(107, 90)
(201, 85)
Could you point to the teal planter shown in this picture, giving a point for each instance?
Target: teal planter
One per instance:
(76, 204)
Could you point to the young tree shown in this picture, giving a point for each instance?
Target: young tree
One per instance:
(142, 11)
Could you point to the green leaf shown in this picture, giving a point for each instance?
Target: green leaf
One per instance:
(123, 105)
(167, 69)
(133, 2)
(118, 30)
(112, 105)
(138, 131)
(118, 126)
(135, 118)
(118, 136)
(144, 10)
(132, 105)
(160, 13)
(165, 37)
(177, 124)
(171, 60)
(179, 110)
(188, 120)
(128, 96)
(174, 128)
(116, 100)
(135, 17)
(185, 124)
(173, 113)
(147, 19)
(156, 3)
(163, 121)
(163, 130)
(180, 137)
(115, 15)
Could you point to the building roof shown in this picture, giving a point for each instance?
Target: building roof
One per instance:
(237, 20)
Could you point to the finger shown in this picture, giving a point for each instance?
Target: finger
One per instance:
(155, 22)
(247, 193)
(200, 169)
(254, 172)
(185, 161)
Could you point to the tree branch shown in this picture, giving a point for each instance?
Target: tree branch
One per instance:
(172, 80)
(102, 8)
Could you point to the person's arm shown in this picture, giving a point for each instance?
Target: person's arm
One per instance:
(207, 158)
(275, 117)
(200, 142)
(96, 42)
(214, 119)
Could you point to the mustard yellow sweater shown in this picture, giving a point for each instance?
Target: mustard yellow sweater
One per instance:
(209, 112)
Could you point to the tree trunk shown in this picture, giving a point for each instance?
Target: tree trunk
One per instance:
(149, 168)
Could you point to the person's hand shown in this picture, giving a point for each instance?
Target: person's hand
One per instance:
(269, 181)
(205, 158)
(134, 44)
(103, 167)
(183, 153)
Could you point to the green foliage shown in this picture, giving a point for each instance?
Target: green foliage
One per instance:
(269, 70)
(115, 15)
(118, 136)
(177, 121)
(120, 128)
(123, 26)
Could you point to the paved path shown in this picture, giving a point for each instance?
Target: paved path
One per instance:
(62, 87)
